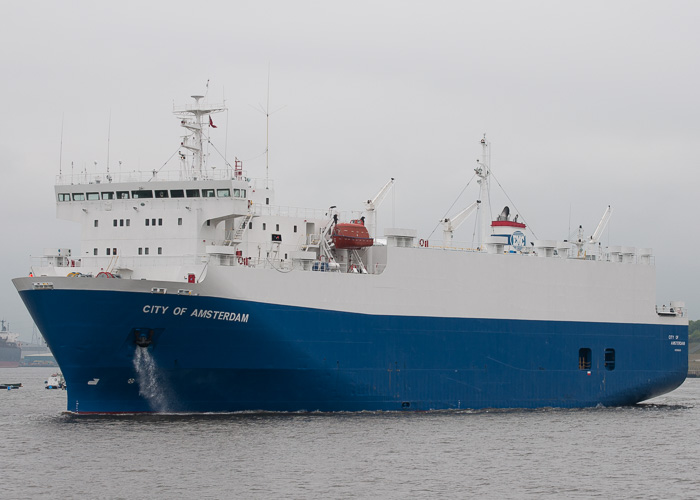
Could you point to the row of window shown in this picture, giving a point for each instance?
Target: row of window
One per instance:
(148, 222)
(144, 251)
(159, 222)
(108, 251)
(264, 226)
(113, 251)
(585, 360)
(158, 193)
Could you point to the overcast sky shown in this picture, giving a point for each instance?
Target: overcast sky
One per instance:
(586, 104)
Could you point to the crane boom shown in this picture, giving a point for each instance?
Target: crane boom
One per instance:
(458, 219)
(450, 225)
(601, 225)
(374, 203)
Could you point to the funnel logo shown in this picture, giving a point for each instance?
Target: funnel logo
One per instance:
(517, 240)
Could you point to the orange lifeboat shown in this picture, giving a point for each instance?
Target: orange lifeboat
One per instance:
(353, 234)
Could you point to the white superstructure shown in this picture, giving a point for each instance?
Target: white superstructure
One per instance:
(198, 223)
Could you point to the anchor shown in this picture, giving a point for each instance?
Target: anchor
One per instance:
(142, 338)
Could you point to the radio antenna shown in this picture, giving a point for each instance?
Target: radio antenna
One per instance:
(266, 111)
(60, 152)
(267, 131)
(109, 134)
(223, 95)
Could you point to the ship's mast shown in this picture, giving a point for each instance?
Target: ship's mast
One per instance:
(483, 171)
(193, 119)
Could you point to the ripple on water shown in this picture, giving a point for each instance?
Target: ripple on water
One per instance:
(642, 451)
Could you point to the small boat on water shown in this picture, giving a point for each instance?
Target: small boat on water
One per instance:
(55, 381)
(11, 386)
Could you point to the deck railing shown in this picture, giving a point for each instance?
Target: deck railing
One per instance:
(216, 174)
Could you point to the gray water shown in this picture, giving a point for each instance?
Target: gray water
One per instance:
(645, 451)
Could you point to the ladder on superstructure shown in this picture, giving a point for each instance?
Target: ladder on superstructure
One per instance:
(240, 230)
(236, 236)
(323, 245)
(360, 264)
(274, 251)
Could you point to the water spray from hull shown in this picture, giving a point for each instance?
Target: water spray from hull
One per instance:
(150, 379)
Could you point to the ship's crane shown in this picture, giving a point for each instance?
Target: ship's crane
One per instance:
(450, 225)
(580, 241)
(372, 205)
(601, 225)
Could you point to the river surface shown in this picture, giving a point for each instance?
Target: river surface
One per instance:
(644, 451)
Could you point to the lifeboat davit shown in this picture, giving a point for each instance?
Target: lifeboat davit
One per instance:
(353, 234)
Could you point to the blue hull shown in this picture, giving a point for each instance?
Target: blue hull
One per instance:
(256, 356)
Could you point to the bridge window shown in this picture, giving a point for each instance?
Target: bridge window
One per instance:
(78, 197)
(142, 193)
(94, 251)
(162, 193)
(93, 196)
(223, 193)
(122, 195)
(264, 226)
(609, 359)
(584, 358)
(128, 222)
(295, 229)
(153, 222)
(207, 193)
(140, 251)
(160, 222)
(192, 193)
(179, 221)
(160, 250)
(96, 222)
(114, 251)
(121, 222)
(108, 251)
(177, 193)
(148, 222)
(108, 195)
(114, 222)
(63, 196)
(277, 227)
(146, 250)
(239, 193)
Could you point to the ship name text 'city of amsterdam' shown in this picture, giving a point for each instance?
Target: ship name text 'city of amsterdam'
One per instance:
(197, 313)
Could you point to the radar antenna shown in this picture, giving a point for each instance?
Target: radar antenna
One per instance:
(192, 119)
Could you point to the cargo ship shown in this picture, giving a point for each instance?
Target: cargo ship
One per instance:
(193, 291)
(10, 347)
